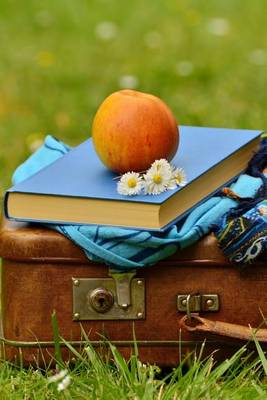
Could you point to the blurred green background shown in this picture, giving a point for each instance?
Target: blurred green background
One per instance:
(59, 59)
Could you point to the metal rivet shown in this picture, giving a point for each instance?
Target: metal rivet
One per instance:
(139, 315)
(184, 302)
(209, 302)
(76, 282)
(124, 306)
(76, 315)
(139, 283)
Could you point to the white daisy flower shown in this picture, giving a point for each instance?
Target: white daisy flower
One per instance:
(161, 164)
(218, 26)
(106, 30)
(57, 377)
(157, 179)
(178, 178)
(184, 68)
(258, 57)
(64, 384)
(130, 184)
(128, 82)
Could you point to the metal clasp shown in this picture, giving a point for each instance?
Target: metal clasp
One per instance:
(123, 287)
(197, 302)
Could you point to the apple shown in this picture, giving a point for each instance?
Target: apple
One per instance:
(132, 129)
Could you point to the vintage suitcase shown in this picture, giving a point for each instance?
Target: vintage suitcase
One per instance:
(42, 271)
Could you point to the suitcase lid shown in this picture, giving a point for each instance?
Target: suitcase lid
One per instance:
(33, 242)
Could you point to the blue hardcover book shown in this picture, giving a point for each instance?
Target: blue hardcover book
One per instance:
(79, 189)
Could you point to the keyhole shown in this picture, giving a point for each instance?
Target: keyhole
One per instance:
(101, 299)
(101, 302)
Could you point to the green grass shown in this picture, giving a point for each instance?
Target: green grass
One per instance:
(109, 376)
(240, 377)
(206, 59)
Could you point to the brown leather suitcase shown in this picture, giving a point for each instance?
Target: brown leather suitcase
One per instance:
(42, 271)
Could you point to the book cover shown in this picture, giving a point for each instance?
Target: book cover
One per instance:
(80, 173)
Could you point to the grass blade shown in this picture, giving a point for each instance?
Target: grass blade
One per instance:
(58, 353)
(260, 352)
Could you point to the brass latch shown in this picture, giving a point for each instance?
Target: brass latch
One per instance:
(197, 302)
(123, 287)
(120, 297)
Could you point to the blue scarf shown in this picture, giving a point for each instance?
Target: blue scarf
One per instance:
(125, 249)
(242, 232)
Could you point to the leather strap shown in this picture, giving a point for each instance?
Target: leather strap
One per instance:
(195, 323)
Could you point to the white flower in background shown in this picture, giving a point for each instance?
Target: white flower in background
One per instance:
(106, 30)
(34, 141)
(62, 378)
(178, 178)
(128, 82)
(218, 26)
(153, 39)
(57, 377)
(258, 57)
(184, 68)
(35, 145)
(157, 179)
(130, 184)
(64, 383)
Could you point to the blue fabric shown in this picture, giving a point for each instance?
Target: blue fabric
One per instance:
(244, 239)
(125, 248)
(242, 232)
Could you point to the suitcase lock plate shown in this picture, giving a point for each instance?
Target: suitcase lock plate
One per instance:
(197, 302)
(120, 297)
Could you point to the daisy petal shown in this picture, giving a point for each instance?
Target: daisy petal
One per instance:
(157, 179)
(130, 184)
(178, 174)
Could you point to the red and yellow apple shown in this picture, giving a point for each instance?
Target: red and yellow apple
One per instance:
(133, 129)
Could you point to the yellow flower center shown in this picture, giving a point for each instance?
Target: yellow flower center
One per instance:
(132, 182)
(157, 178)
